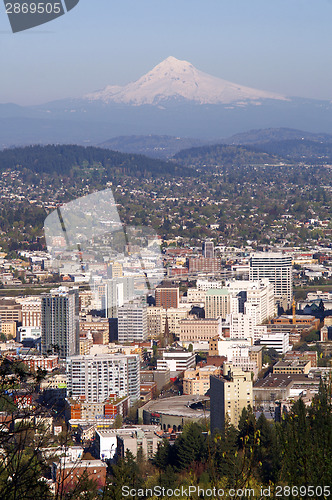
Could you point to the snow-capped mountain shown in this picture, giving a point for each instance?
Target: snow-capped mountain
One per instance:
(180, 80)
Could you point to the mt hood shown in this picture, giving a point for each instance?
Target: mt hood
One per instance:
(173, 79)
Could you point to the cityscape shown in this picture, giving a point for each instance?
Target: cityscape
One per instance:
(165, 250)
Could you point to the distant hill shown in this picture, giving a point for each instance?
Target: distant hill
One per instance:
(154, 146)
(299, 150)
(268, 135)
(224, 154)
(65, 160)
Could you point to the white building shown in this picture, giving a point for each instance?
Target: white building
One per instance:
(132, 322)
(277, 341)
(277, 268)
(258, 293)
(95, 377)
(176, 361)
(231, 348)
(205, 285)
(28, 332)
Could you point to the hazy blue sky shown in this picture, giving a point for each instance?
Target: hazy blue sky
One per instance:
(278, 45)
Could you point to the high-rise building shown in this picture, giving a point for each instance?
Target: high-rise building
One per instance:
(132, 322)
(118, 291)
(229, 395)
(95, 377)
(167, 296)
(208, 249)
(60, 323)
(114, 270)
(277, 268)
(217, 303)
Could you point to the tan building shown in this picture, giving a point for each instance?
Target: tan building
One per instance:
(85, 300)
(229, 396)
(8, 328)
(195, 296)
(10, 310)
(328, 321)
(31, 311)
(85, 345)
(193, 329)
(157, 320)
(115, 270)
(138, 440)
(91, 325)
(217, 303)
(292, 366)
(256, 355)
(198, 381)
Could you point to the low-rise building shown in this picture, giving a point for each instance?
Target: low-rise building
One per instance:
(160, 377)
(196, 330)
(67, 473)
(277, 341)
(176, 361)
(292, 366)
(47, 363)
(79, 409)
(272, 388)
(113, 443)
(198, 381)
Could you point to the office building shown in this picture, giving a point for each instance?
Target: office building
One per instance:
(157, 320)
(118, 291)
(217, 303)
(259, 294)
(114, 270)
(207, 265)
(60, 323)
(197, 381)
(229, 395)
(208, 249)
(10, 310)
(167, 296)
(277, 341)
(31, 311)
(95, 377)
(196, 330)
(176, 361)
(132, 322)
(277, 268)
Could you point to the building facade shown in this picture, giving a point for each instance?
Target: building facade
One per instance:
(60, 323)
(96, 377)
(277, 268)
(229, 396)
(132, 322)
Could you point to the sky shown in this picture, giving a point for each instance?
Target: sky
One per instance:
(283, 46)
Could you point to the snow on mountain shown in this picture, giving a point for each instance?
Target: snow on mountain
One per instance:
(175, 79)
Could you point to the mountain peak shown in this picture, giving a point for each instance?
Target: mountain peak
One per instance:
(175, 79)
(173, 62)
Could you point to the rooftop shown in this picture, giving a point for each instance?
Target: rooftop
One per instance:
(178, 406)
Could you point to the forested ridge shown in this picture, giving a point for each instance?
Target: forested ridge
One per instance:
(62, 159)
